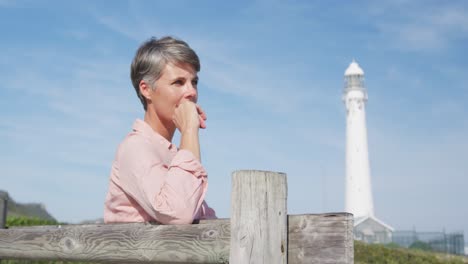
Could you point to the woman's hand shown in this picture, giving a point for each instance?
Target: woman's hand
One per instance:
(201, 116)
(189, 116)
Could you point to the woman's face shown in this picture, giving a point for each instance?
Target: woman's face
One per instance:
(177, 82)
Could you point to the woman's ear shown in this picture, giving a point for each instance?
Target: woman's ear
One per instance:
(145, 89)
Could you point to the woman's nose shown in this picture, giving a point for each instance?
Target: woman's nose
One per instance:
(191, 93)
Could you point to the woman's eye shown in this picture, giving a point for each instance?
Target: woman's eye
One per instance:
(179, 82)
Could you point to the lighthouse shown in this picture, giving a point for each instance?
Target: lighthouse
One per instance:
(359, 200)
(358, 178)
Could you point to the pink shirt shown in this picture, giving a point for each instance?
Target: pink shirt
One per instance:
(153, 181)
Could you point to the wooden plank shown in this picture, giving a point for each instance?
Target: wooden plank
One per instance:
(258, 218)
(128, 243)
(322, 238)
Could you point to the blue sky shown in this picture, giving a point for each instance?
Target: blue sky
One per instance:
(271, 84)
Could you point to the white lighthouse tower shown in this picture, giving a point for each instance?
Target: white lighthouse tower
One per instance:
(358, 181)
(359, 199)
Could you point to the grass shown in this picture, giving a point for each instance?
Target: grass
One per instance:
(367, 254)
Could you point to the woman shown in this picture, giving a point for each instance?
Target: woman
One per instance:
(151, 179)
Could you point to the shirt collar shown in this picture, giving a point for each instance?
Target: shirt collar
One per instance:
(147, 131)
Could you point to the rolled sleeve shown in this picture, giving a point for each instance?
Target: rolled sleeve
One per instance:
(185, 160)
(184, 190)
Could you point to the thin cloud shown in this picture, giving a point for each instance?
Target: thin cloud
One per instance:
(432, 30)
(8, 3)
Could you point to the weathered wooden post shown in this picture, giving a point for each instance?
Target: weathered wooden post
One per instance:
(3, 208)
(258, 218)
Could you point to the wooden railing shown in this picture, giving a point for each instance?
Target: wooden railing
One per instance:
(259, 231)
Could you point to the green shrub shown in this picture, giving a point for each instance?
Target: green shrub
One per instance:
(27, 221)
(367, 254)
(393, 245)
(421, 246)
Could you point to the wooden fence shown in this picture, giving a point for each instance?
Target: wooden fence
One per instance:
(259, 231)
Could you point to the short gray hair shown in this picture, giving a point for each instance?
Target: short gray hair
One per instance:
(153, 55)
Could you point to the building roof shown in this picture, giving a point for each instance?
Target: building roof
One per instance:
(360, 220)
(354, 69)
